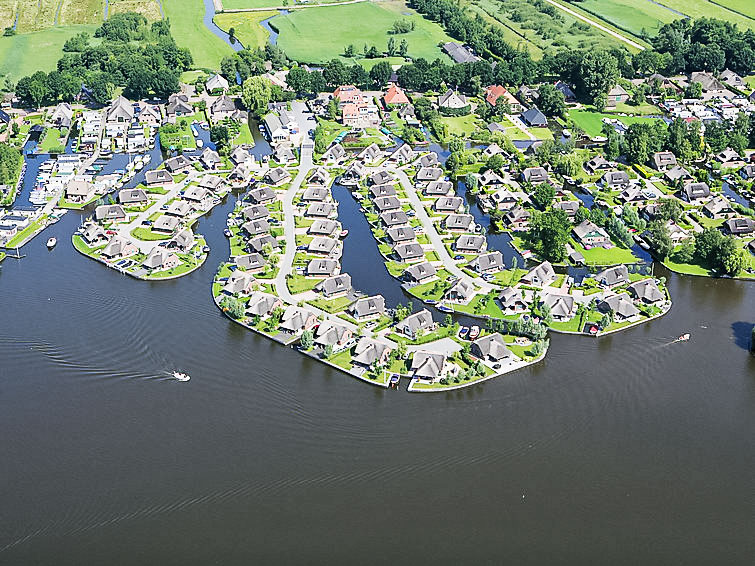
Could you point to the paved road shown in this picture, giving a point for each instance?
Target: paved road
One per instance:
(289, 226)
(432, 234)
(595, 24)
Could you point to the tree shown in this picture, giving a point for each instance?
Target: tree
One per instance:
(549, 233)
(659, 239)
(694, 90)
(403, 48)
(333, 109)
(335, 73)
(551, 101)
(220, 136)
(495, 162)
(100, 87)
(256, 93)
(348, 52)
(470, 180)
(391, 47)
(637, 143)
(381, 73)
(232, 35)
(612, 147)
(598, 73)
(307, 340)
(139, 83)
(298, 80)
(543, 196)
(716, 136)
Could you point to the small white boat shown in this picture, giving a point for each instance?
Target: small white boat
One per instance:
(566, 133)
(51, 243)
(683, 338)
(344, 233)
(200, 143)
(181, 376)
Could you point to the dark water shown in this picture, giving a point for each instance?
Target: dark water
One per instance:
(624, 450)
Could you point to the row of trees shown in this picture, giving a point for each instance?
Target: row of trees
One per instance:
(11, 161)
(251, 62)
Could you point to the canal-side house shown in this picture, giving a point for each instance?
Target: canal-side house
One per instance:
(470, 244)
(460, 292)
(377, 191)
(149, 115)
(512, 301)
(182, 241)
(387, 204)
(617, 95)
(331, 334)
(256, 227)
(739, 226)
(674, 174)
(718, 207)
(108, 213)
(414, 325)
(452, 100)
(178, 106)
(729, 159)
(157, 177)
(400, 234)
(93, 235)
(621, 306)
(395, 96)
(428, 174)
(428, 366)
(320, 245)
(62, 116)
(160, 259)
(403, 155)
(490, 179)
(132, 197)
(323, 268)
(216, 84)
(447, 205)
(324, 227)
(518, 218)
(368, 308)
(534, 118)
(420, 273)
(118, 116)
(335, 287)
(335, 155)
(394, 218)
(599, 164)
(540, 276)
(459, 223)
(589, 235)
(613, 276)
(261, 195)
(262, 304)
(570, 207)
(647, 292)
(429, 159)
(495, 92)
(562, 307)
(315, 194)
(696, 193)
(319, 177)
(370, 154)
(488, 263)
(381, 177)
(259, 243)
(118, 248)
(79, 191)
(409, 252)
(354, 173)
(614, 180)
(322, 210)
(251, 263)
(178, 164)
(284, 155)
(491, 348)
(178, 208)
(296, 320)
(369, 352)
(239, 283)
(223, 107)
(210, 159)
(535, 175)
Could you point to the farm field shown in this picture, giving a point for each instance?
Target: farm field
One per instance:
(746, 7)
(632, 16)
(80, 12)
(242, 4)
(706, 9)
(188, 29)
(316, 35)
(150, 9)
(247, 25)
(23, 54)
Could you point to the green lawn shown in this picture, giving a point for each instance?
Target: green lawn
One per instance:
(320, 34)
(461, 126)
(630, 15)
(52, 140)
(602, 256)
(491, 309)
(18, 239)
(147, 235)
(26, 53)
(184, 267)
(341, 359)
(299, 284)
(710, 9)
(331, 306)
(189, 30)
(592, 124)
(247, 25)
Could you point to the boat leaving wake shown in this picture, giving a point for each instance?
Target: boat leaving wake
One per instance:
(179, 376)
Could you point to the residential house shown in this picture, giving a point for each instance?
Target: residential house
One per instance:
(262, 304)
(210, 159)
(240, 155)
(296, 320)
(216, 84)
(360, 115)
(460, 292)
(733, 79)
(439, 189)
(222, 108)
(718, 207)
(370, 154)
(420, 273)
(62, 116)
(599, 164)
(588, 234)
(334, 287)
(740, 226)
(453, 100)
(277, 177)
(183, 241)
(696, 193)
(178, 208)
(118, 248)
(409, 252)
(570, 207)
(387, 204)
(620, 305)
(368, 308)
(400, 234)
(491, 262)
(534, 118)
(617, 95)
(178, 106)
(319, 176)
(320, 245)
(94, 235)
(566, 90)
(253, 263)
(354, 173)
(315, 194)
(615, 180)
(284, 155)
(673, 174)
(394, 218)
(747, 172)
(729, 159)
(149, 115)
(131, 197)
(445, 205)
(256, 227)
(490, 179)
(403, 155)
(331, 334)
(647, 292)
(259, 243)
(120, 111)
(416, 324)
(492, 349)
(394, 96)
(459, 53)
(369, 353)
(335, 154)
(663, 160)
(491, 150)
(562, 307)
(196, 195)
(178, 164)
(276, 131)
(160, 259)
(511, 301)
(535, 175)
(110, 213)
(323, 268)
(212, 183)
(165, 223)
(157, 177)
(709, 82)
(428, 174)
(428, 366)
(378, 191)
(613, 276)
(429, 159)
(79, 191)
(540, 276)
(518, 218)
(321, 210)
(470, 244)
(494, 92)
(381, 177)
(459, 223)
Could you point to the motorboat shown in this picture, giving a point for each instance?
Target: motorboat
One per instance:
(344, 233)
(227, 233)
(474, 332)
(181, 376)
(200, 143)
(51, 243)
(683, 338)
(443, 308)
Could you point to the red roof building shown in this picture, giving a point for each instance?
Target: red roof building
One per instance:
(347, 93)
(493, 93)
(395, 95)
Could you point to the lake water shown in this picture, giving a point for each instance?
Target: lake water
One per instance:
(628, 449)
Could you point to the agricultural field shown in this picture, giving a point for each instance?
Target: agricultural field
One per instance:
(632, 16)
(80, 12)
(592, 122)
(25, 53)
(316, 35)
(188, 29)
(246, 4)
(150, 9)
(247, 25)
(717, 9)
(745, 7)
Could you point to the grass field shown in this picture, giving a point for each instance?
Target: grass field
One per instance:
(745, 7)
(241, 4)
(23, 54)
(247, 25)
(189, 31)
(631, 15)
(706, 9)
(81, 12)
(320, 34)
(150, 9)
(592, 124)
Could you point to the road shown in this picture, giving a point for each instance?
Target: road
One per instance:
(439, 247)
(595, 24)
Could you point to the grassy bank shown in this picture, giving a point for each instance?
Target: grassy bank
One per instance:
(188, 29)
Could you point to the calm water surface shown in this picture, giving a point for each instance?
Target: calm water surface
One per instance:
(624, 450)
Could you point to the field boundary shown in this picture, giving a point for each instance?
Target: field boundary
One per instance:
(289, 8)
(732, 10)
(595, 24)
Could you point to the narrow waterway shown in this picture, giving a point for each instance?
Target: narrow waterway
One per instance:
(209, 14)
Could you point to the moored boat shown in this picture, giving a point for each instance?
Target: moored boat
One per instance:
(51, 243)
